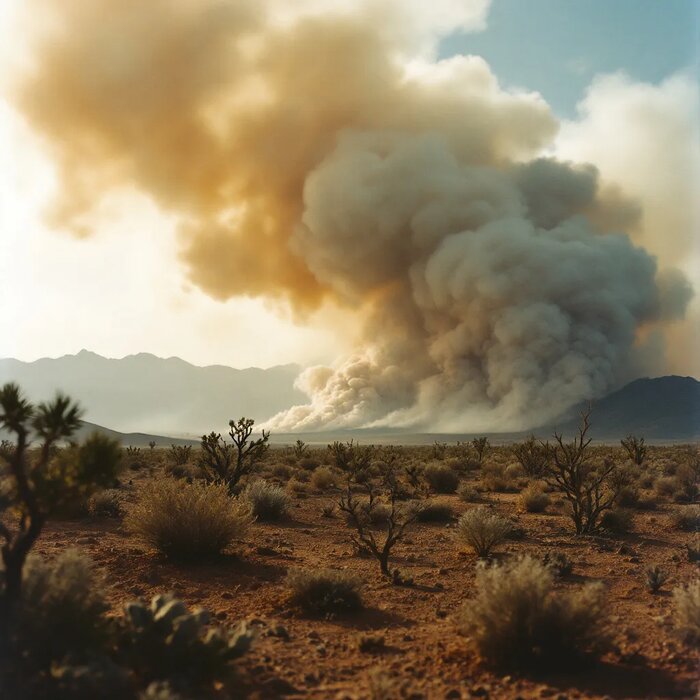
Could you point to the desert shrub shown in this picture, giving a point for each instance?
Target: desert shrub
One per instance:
(513, 472)
(618, 520)
(481, 446)
(324, 591)
(297, 486)
(300, 449)
(655, 577)
(627, 496)
(533, 499)
(559, 563)
(665, 487)
(532, 456)
(267, 501)
(517, 619)
(686, 518)
(106, 504)
(328, 510)
(687, 604)
(323, 478)
(482, 530)
(282, 471)
(164, 640)
(493, 478)
(188, 521)
(308, 463)
(435, 511)
(441, 478)
(635, 448)
(468, 494)
(62, 608)
(352, 458)
(687, 484)
(179, 454)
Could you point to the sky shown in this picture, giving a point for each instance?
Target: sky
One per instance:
(115, 232)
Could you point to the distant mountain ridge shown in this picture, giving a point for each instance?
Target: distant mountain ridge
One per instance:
(146, 393)
(142, 397)
(660, 408)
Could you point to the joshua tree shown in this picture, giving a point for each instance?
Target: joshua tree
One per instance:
(33, 483)
(532, 456)
(151, 444)
(352, 458)
(300, 449)
(228, 462)
(480, 446)
(589, 489)
(635, 448)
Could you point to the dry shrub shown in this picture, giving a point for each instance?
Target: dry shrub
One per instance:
(188, 521)
(323, 478)
(686, 518)
(618, 520)
(687, 600)
(324, 591)
(469, 494)
(493, 478)
(297, 487)
(308, 463)
(533, 499)
(441, 478)
(62, 607)
(517, 619)
(282, 471)
(106, 504)
(482, 530)
(267, 501)
(435, 511)
(665, 487)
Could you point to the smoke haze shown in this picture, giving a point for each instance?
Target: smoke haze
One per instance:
(318, 157)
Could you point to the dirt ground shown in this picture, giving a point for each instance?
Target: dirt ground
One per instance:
(419, 653)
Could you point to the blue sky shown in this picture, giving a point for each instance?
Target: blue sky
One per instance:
(557, 46)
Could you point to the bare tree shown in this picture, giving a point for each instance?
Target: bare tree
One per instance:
(480, 445)
(399, 517)
(635, 448)
(586, 487)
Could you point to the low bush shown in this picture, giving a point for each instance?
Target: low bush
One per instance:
(558, 563)
(665, 487)
(493, 478)
(687, 603)
(469, 494)
(308, 463)
(325, 591)
(323, 479)
(188, 521)
(686, 518)
(435, 511)
(62, 608)
(297, 487)
(482, 530)
(441, 478)
(534, 500)
(106, 504)
(282, 471)
(618, 520)
(267, 501)
(655, 577)
(518, 620)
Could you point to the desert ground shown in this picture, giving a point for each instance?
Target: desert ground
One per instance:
(405, 641)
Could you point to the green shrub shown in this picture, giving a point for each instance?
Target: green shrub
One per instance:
(188, 521)
(62, 608)
(687, 603)
(518, 620)
(533, 499)
(164, 640)
(441, 478)
(324, 591)
(267, 501)
(482, 530)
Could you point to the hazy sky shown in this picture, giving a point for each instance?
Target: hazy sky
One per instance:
(124, 289)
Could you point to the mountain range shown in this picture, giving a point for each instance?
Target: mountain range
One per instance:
(172, 397)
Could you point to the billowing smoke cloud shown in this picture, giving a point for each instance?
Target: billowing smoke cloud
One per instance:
(311, 159)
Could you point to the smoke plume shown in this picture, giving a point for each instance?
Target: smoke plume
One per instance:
(317, 156)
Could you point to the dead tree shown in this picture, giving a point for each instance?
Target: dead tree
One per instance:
(635, 448)
(359, 514)
(587, 488)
